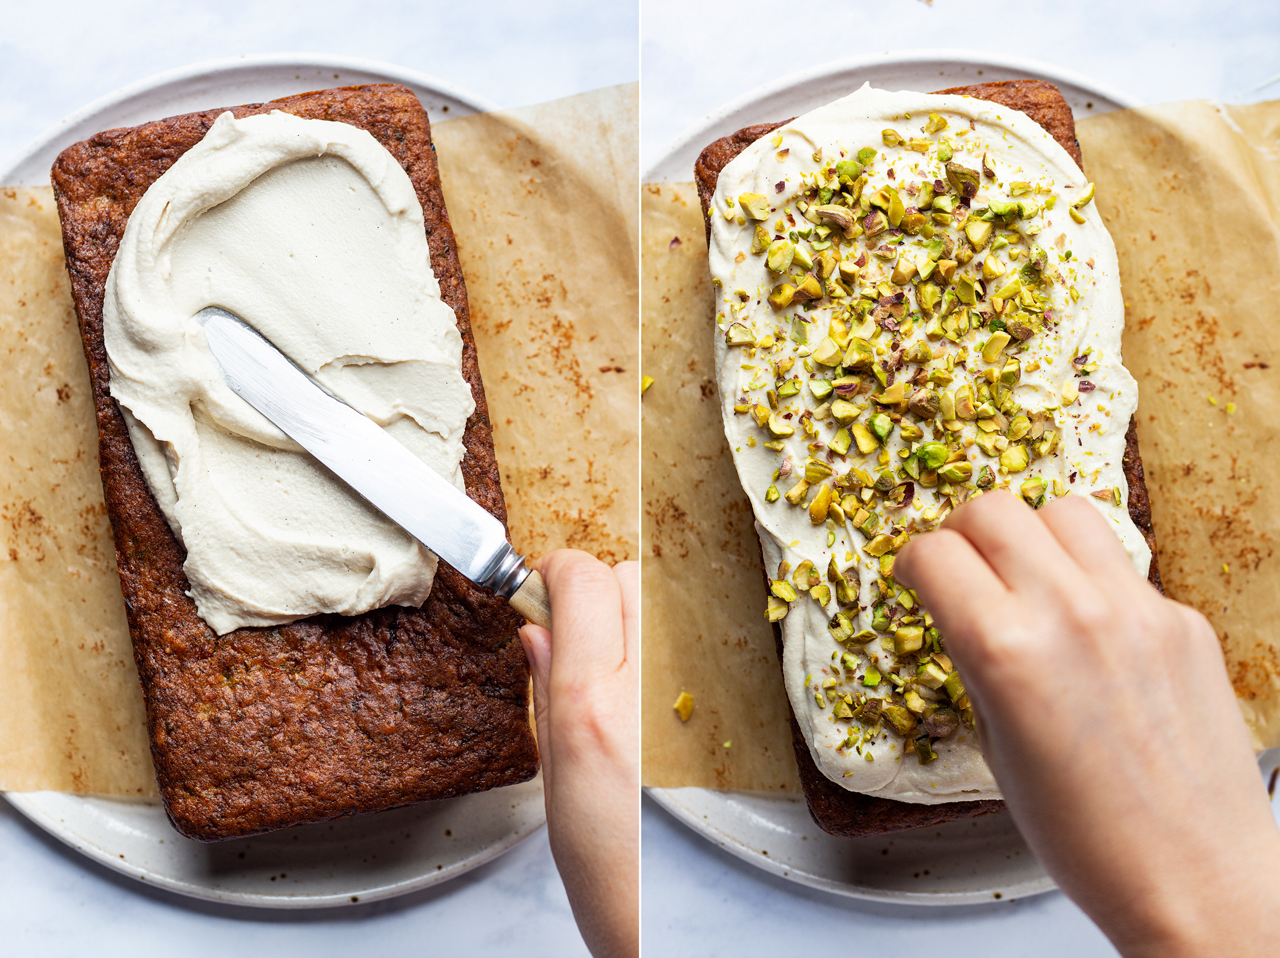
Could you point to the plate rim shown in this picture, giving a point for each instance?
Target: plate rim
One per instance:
(700, 130)
(240, 64)
(27, 803)
(702, 127)
(740, 849)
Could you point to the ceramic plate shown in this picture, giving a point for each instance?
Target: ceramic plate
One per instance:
(338, 863)
(961, 862)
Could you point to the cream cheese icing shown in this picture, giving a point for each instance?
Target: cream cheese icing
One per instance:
(916, 375)
(312, 232)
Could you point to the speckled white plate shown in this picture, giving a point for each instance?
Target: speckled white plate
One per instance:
(354, 859)
(961, 862)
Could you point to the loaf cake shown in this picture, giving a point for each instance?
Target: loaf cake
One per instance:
(328, 716)
(775, 218)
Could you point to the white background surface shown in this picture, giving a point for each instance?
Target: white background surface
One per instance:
(697, 55)
(55, 59)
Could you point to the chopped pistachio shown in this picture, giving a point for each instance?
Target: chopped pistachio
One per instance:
(821, 594)
(881, 425)
(828, 353)
(754, 205)
(782, 296)
(891, 138)
(964, 404)
(779, 428)
(784, 590)
(780, 254)
(839, 443)
(871, 678)
(1015, 458)
(820, 506)
(740, 335)
(963, 180)
(684, 706)
(771, 494)
(940, 721)
(797, 493)
(1076, 215)
(995, 346)
(924, 750)
(898, 717)
(838, 216)
(844, 412)
(802, 258)
(760, 240)
(935, 123)
(1010, 288)
(760, 413)
(1085, 198)
(859, 357)
(1033, 489)
(815, 470)
(978, 232)
(820, 389)
(908, 639)
(808, 288)
(931, 675)
(788, 389)
(879, 545)
(956, 471)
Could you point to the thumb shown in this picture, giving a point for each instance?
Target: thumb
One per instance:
(537, 649)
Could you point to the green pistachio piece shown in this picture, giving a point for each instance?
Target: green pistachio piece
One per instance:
(956, 472)
(871, 678)
(782, 296)
(924, 750)
(841, 628)
(880, 618)
(859, 357)
(881, 425)
(866, 155)
(924, 402)
(740, 335)
(978, 232)
(825, 264)
(808, 288)
(828, 354)
(1033, 489)
(868, 526)
(821, 505)
(965, 407)
(935, 123)
(898, 717)
(995, 346)
(788, 389)
(821, 594)
(771, 494)
(986, 478)
(843, 412)
(796, 494)
(848, 170)
(875, 223)
(878, 545)
(815, 470)
(779, 428)
(966, 291)
(908, 639)
(820, 388)
(866, 440)
(754, 205)
(953, 686)
(1085, 198)
(963, 180)
(891, 138)
(944, 151)
(1009, 289)
(839, 443)
(940, 721)
(932, 455)
(760, 240)
(910, 431)
(841, 217)
(780, 254)
(915, 702)
(1015, 458)
(777, 610)
(802, 258)
(783, 590)
(931, 675)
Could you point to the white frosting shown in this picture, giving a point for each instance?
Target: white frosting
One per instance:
(313, 233)
(1091, 428)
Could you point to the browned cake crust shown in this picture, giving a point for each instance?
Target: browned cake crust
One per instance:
(265, 728)
(838, 810)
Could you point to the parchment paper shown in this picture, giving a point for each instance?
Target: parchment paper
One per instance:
(1191, 192)
(543, 206)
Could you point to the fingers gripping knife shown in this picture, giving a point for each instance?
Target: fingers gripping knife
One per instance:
(364, 456)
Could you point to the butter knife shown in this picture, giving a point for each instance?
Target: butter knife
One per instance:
(364, 456)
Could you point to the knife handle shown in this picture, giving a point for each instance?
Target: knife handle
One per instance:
(531, 600)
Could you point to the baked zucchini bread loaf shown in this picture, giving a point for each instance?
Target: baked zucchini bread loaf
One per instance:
(264, 728)
(838, 810)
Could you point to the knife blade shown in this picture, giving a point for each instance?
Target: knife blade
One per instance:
(366, 457)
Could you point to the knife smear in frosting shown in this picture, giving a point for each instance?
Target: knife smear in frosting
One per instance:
(916, 303)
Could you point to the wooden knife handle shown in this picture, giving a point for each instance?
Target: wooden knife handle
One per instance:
(531, 600)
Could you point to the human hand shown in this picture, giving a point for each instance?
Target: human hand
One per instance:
(1107, 717)
(585, 694)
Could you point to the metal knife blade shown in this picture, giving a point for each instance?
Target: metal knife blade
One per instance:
(364, 456)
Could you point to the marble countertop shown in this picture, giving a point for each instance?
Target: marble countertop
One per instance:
(699, 900)
(54, 901)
